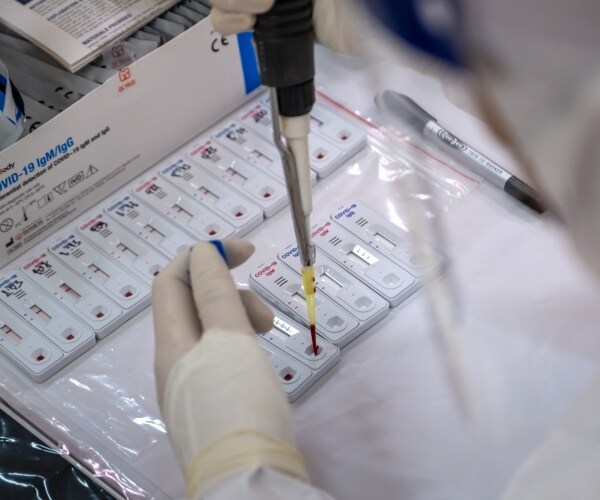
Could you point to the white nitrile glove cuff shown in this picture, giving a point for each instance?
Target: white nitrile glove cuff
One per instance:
(228, 379)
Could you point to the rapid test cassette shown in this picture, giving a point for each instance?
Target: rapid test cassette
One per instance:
(246, 179)
(325, 157)
(114, 281)
(252, 148)
(341, 287)
(292, 343)
(122, 246)
(388, 279)
(213, 194)
(282, 288)
(40, 310)
(184, 211)
(343, 134)
(295, 378)
(158, 232)
(294, 339)
(387, 239)
(27, 349)
(98, 312)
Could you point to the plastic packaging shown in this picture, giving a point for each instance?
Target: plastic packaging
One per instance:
(12, 111)
(31, 469)
(101, 410)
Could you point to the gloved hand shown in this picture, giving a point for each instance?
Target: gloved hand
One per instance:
(338, 23)
(222, 404)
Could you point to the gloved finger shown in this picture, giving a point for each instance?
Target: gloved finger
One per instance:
(259, 313)
(248, 6)
(236, 251)
(177, 272)
(176, 324)
(217, 300)
(342, 26)
(229, 23)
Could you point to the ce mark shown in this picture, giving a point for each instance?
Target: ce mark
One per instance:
(217, 43)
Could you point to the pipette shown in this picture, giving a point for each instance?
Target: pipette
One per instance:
(301, 218)
(284, 40)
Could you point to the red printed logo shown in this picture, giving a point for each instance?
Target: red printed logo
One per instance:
(267, 270)
(118, 50)
(124, 74)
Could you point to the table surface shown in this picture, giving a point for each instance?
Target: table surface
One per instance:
(385, 422)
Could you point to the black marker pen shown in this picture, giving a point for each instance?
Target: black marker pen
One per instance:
(422, 122)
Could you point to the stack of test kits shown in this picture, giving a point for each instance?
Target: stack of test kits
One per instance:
(365, 265)
(82, 284)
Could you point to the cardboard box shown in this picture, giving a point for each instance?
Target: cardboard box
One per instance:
(120, 129)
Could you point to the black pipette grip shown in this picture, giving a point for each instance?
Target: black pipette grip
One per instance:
(284, 38)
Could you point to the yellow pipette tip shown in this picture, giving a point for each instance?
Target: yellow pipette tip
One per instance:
(309, 285)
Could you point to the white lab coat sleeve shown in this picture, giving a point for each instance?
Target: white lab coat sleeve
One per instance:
(538, 63)
(567, 464)
(263, 483)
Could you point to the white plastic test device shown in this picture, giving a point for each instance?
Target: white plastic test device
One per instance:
(290, 351)
(27, 349)
(329, 148)
(53, 338)
(387, 239)
(252, 148)
(101, 314)
(148, 225)
(245, 178)
(388, 279)
(122, 245)
(186, 213)
(214, 195)
(102, 272)
(282, 288)
(341, 287)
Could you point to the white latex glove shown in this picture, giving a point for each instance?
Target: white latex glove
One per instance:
(223, 406)
(339, 24)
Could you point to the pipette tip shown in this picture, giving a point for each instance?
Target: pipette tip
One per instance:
(313, 338)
